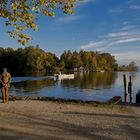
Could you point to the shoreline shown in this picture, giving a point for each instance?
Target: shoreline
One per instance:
(76, 101)
(36, 119)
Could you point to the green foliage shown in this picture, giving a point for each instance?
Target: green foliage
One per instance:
(93, 79)
(27, 59)
(131, 67)
(22, 14)
(89, 61)
(34, 59)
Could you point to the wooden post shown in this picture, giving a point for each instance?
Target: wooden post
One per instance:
(138, 97)
(125, 88)
(130, 89)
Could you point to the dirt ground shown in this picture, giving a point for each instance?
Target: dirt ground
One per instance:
(42, 120)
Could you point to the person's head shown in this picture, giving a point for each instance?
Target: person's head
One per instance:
(4, 70)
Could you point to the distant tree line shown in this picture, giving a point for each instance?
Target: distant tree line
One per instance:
(27, 59)
(131, 67)
(34, 59)
(88, 61)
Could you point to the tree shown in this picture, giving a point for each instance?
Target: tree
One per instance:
(67, 58)
(35, 58)
(86, 59)
(19, 58)
(50, 61)
(22, 14)
(132, 66)
(76, 60)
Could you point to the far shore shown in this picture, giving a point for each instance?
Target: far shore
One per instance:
(49, 120)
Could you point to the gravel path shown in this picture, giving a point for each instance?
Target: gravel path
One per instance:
(41, 120)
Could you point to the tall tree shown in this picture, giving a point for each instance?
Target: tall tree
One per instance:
(132, 66)
(35, 58)
(67, 58)
(76, 61)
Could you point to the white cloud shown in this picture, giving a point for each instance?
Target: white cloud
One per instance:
(70, 18)
(86, 1)
(92, 44)
(117, 34)
(82, 2)
(129, 27)
(127, 57)
(114, 40)
(135, 7)
(130, 1)
(125, 22)
(124, 40)
(113, 11)
(118, 41)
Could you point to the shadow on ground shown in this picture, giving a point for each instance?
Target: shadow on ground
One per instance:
(29, 127)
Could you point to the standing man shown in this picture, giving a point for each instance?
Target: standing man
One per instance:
(5, 79)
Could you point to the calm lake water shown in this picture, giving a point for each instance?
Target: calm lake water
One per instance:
(86, 86)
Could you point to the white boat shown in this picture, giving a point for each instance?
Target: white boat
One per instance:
(64, 76)
(100, 71)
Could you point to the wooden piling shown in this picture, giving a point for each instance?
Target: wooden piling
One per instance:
(130, 88)
(125, 80)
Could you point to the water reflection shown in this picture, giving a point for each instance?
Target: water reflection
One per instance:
(31, 86)
(95, 80)
(133, 75)
(27, 74)
(84, 84)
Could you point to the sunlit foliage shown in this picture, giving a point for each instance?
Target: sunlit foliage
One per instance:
(22, 14)
(34, 59)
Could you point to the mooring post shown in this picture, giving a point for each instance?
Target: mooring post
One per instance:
(125, 80)
(138, 97)
(130, 88)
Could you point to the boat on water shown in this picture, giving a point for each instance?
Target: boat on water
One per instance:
(64, 76)
(100, 71)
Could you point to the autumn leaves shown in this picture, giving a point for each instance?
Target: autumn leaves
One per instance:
(22, 15)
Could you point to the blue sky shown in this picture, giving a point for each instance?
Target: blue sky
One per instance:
(98, 25)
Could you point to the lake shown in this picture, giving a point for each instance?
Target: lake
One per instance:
(95, 86)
